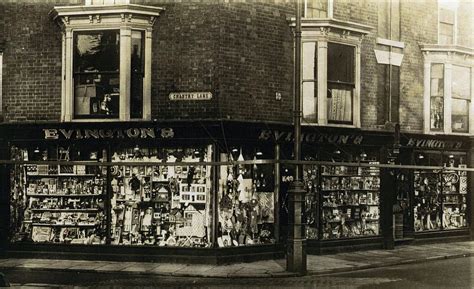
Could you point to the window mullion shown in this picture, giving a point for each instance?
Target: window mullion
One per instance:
(471, 104)
(448, 68)
(125, 72)
(69, 82)
(322, 82)
(147, 76)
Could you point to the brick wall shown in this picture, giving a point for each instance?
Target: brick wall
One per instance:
(31, 62)
(241, 51)
(415, 14)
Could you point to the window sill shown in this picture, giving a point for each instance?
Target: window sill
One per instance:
(104, 120)
(330, 125)
(448, 133)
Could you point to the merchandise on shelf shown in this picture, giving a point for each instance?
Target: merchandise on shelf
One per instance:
(246, 204)
(161, 205)
(350, 201)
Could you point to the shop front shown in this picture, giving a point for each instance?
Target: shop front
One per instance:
(217, 192)
(433, 199)
(147, 191)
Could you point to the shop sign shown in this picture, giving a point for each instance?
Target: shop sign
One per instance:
(190, 96)
(433, 144)
(311, 137)
(131, 133)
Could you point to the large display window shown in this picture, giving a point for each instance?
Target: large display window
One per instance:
(342, 201)
(246, 200)
(440, 196)
(58, 203)
(163, 204)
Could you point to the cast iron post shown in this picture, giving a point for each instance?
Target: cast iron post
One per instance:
(296, 247)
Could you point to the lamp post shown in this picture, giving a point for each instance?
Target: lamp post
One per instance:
(296, 246)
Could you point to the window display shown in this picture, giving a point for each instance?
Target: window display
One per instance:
(441, 196)
(246, 204)
(350, 201)
(56, 203)
(162, 205)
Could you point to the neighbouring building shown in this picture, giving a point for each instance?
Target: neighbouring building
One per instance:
(114, 114)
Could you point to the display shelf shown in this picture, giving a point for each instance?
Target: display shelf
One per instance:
(351, 205)
(64, 195)
(66, 210)
(64, 225)
(61, 175)
(350, 190)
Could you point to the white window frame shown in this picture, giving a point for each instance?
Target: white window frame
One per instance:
(448, 56)
(324, 31)
(455, 24)
(330, 5)
(125, 17)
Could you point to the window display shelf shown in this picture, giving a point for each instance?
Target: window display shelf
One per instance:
(350, 190)
(64, 225)
(351, 205)
(66, 210)
(64, 195)
(61, 175)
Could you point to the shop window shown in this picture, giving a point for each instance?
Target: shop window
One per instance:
(341, 201)
(246, 202)
(331, 72)
(58, 203)
(317, 8)
(106, 60)
(161, 205)
(440, 197)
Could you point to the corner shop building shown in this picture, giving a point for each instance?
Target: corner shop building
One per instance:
(155, 194)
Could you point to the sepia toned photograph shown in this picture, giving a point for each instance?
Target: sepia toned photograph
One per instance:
(237, 144)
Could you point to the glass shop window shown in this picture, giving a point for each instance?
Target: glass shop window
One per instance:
(440, 195)
(342, 201)
(57, 203)
(341, 84)
(246, 201)
(437, 96)
(163, 204)
(461, 98)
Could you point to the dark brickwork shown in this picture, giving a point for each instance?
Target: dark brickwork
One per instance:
(415, 14)
(31, 62)
(241, 51)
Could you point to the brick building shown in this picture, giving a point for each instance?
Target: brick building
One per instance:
(144, 83)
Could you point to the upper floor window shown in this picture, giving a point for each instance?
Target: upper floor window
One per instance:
(106, 60)
(447, 22)
(318, 8)
(449, 93)
(331, 72)
(106, 2)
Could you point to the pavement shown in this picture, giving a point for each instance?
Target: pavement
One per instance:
(316, 264)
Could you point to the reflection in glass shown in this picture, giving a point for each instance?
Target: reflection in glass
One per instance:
(137, 74)
(96, 74)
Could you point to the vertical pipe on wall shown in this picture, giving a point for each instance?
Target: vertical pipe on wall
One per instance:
(276, 198)
(214, 195)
